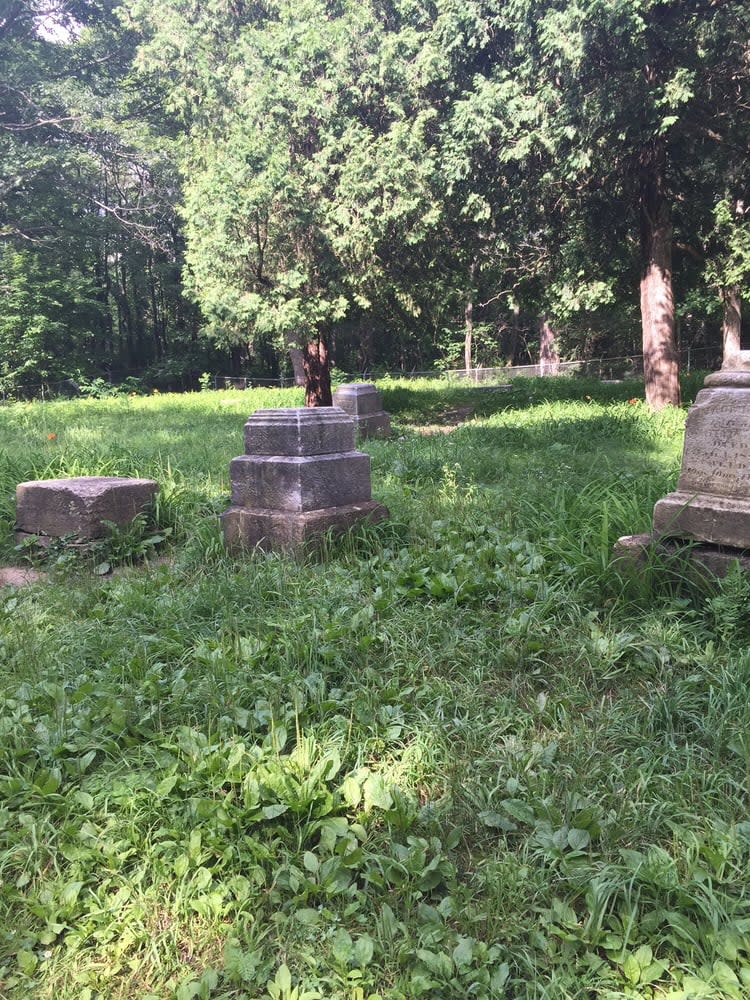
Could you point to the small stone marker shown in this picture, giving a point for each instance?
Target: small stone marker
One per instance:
(300, 475)
(364, 404)
(79, 506)
(711, 505)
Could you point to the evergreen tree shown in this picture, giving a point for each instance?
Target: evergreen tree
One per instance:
(306, 163)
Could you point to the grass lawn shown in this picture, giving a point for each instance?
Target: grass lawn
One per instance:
(457, 755)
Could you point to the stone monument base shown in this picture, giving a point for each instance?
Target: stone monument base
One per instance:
(633, 553)
(80, 505)
(706, 518)
(248, 528)
(374, 425)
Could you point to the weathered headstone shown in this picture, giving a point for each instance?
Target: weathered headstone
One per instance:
(712, 499)
(299, 477)
(710, 509)
(79, 506)
(364, 404)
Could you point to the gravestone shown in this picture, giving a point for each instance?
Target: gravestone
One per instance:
(364, 404)
(299, 477)
(712, 500)
(79, 506)
(710, 509)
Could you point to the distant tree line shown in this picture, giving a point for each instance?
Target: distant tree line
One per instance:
(256, 184)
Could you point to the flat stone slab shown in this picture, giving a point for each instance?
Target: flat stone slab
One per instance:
(299, 431)
(300, 483)
(633, 552)
(79, 506)
(246, 529)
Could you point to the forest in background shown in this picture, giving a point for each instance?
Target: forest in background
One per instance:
(394, 184)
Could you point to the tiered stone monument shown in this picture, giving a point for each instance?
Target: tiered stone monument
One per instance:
(79, 506)
(711, 506)
(364, 404)
(299, 477)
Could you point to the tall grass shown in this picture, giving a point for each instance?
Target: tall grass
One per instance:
(453, 755)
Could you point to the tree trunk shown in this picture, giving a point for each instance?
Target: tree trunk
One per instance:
(660, 357)
(156, 316)
(127, 313)
(515, 333)
(297, 357)
(317, 364)
(549, 356)
(235, 360)
(469, 320)
(468, 332)
(732, 327)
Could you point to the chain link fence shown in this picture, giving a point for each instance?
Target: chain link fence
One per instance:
(606, 369)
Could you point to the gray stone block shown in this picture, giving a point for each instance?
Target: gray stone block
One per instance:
(375, 425)
(299, 431)
(300, 483)
(246, 529)
(358, 399)
(80, 505)
(704, 524)
(701, 518)
(300, 478)
(363, 402)
(632, 553)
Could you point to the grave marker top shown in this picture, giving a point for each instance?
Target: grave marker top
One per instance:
(299, 431)
(734, 373)
(358, 398)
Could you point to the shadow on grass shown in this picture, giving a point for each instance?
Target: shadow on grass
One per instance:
(587, 432)
(582, 433)
(446, 403)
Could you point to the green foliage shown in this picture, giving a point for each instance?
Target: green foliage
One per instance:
(732, 265)
(303, 161)
(369, 170)
(90, 254)
(44, 312)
